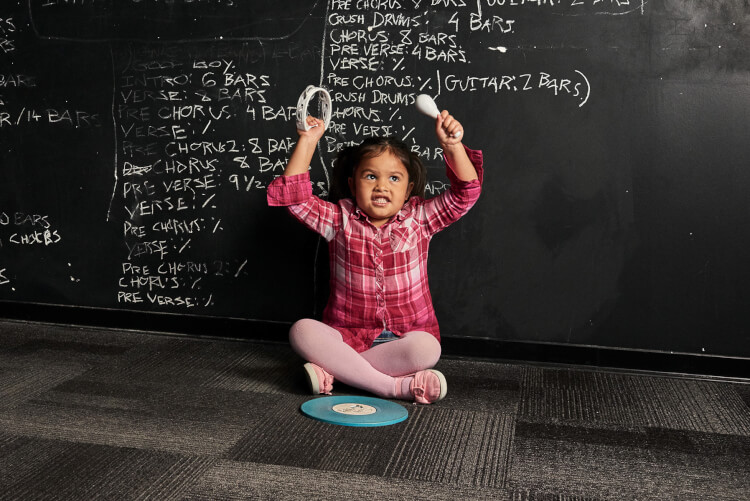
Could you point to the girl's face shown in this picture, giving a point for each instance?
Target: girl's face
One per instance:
(381, 187)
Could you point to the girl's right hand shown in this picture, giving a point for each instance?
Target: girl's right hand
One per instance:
(317, 129)
(449, 131)
(305, 148)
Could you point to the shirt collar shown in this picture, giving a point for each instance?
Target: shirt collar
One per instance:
(406, 210)
(400, 215)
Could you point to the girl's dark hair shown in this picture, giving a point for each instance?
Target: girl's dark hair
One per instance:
(349, 158)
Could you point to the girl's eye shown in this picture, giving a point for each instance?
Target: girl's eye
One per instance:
(370, 176)
(395, 178)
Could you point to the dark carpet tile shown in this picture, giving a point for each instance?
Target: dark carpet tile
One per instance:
(159, 360)
(114, 389)
(12, 336)
(285, 436)
(23, 336)
(671, 440)
(98, 414)
(40, 353)
(711, 444)
(59, 470)
(579, 468)
(631, 401)
(164, 401)
(526, 495)
(21, 382)
(267, 368)
(219, 364)
(229, 480)
(708, 447)
(434, 444)
(453, 447)
(727, 452)
(76, 422)
(579, 434)
(743, 390)
(21, 460)
(58, 346)
(481, 386)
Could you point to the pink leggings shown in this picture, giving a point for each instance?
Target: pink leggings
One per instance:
(374, 370)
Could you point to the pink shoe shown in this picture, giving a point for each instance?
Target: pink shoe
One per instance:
(428, 386)
(320, 381)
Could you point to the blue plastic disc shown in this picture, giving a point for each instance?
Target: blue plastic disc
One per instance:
(355, 411)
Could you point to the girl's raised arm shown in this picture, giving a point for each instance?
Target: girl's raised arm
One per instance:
(449, 132)
(304, 150)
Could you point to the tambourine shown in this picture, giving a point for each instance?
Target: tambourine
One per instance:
(304, 102)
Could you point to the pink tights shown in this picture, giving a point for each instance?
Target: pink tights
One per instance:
(374, 370)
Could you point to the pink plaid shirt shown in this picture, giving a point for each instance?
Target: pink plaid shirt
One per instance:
(378, 275)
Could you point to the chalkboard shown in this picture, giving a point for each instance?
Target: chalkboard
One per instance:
(138, 137)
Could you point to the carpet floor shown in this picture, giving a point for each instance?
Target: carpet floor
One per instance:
(103, 414)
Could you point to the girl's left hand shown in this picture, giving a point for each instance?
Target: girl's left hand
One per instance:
(449, 131)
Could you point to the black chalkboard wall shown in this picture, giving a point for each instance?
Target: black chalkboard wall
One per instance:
(138, 137)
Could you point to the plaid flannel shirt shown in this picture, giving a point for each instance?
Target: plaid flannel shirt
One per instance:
(378, 275)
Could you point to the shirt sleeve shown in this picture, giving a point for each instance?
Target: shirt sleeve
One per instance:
(295, 193)
(289, 190)
(449, 206)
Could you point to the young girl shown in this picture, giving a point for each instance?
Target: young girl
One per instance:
(379, 332)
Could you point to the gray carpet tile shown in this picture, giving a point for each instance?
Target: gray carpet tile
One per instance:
(528, 495)
(743, 390)
(269, 370)
(481, 386)
(709, 447)
(20, 382)
(617, 472)
(65, 343)
(59, 470)
(24, 459)
(94, 424)
(227, 365)
(104, 414)
(240, 481)
(632, 401)
(35, 358)
(285, 436)
(454, 447)
(195, 404)
(57, 346)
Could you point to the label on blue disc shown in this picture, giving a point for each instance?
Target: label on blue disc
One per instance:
(355, 411)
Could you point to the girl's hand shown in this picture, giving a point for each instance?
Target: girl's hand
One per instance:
(448, 130)
(317, 129)
(304, 150)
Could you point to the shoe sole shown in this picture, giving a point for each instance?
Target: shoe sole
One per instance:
(312, 379)
(443, 384)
